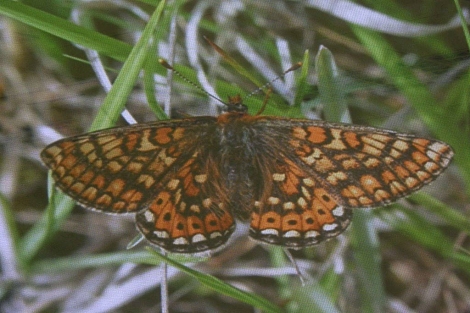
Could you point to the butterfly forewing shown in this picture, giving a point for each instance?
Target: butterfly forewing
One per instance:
(116, 170)
(369, 167)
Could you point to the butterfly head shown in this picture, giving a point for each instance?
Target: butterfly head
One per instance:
(235, 104)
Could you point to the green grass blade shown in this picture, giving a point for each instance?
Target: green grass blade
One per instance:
(10, 239)
(57, 211)
(330, 87)
(368, 260)
(426, 234)
(116, 99)
(463, 23)
(221, 287)
(65, 29)
(447, 213)
(92, 261)
(313, 298)
(302, 84)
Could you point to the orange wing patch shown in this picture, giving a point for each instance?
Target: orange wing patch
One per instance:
(303, 214)
(183, 218)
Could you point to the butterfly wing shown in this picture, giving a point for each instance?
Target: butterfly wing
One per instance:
(298, 211)
(329, 169)
(190, 213)
(155, 170)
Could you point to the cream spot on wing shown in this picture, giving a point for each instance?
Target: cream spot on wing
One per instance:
(149, 217)
(198, 238)
(195, 208)
(202, 178)
(180, 241)
(207, 203)
(215, 235)
(288, 206)
(308, 182)
(292, 234)
(279, 177)
(273, 200)
(401, 145)
(302, 203)
(270, 231)
(172, 184)
(338, 211)
(311, 234)
(330, 227)
(161, 234)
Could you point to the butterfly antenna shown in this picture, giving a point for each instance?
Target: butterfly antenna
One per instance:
(265, 102)
(290, 69)
(168, 66)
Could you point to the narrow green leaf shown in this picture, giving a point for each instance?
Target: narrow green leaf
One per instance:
(330, 87)
(368, 260)
(302, 84)
(65, 29)
(313, 298)
(221, 287)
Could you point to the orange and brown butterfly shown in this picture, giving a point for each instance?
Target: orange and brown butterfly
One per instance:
(295, 180)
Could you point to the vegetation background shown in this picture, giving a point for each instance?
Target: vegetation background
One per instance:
(395, 64)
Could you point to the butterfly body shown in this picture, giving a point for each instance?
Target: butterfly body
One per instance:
(295, 180)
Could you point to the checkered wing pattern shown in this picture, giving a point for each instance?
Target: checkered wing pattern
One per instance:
(296, 180)
(156, 170)
(325, 170)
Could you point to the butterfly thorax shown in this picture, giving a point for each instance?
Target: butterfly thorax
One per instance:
(237, 149)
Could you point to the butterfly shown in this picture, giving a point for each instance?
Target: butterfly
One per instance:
(187, 180)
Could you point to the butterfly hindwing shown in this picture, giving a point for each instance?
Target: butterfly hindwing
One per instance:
(187, 216)
(298, 211)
